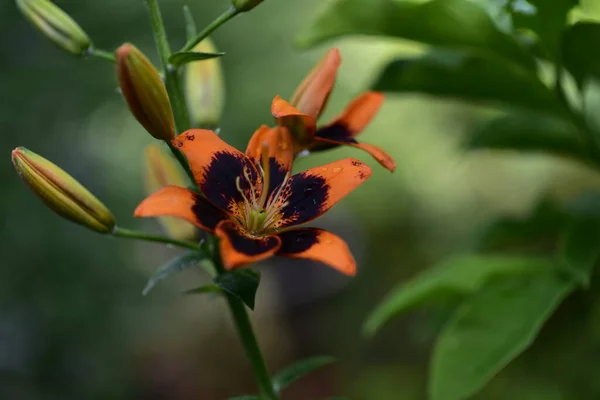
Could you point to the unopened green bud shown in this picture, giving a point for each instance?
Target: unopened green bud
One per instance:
(145, 92)
(61, 192)
(245, 5)
(204, 87)
(163, 170)
(56, 25)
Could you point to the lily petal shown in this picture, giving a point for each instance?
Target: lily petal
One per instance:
(302, 126)
(218, 168)
(319, 245)
(309, 194)
(356, 116)
(377, 153)
(179, 202)
(312, 94)
(238, 248)
(276, 144)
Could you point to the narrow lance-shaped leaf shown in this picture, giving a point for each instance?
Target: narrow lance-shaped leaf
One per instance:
(470, 78)
(241, 283)
(185, 57)
(492, 328)
(580, 249)
(190, 23)
(457, 276)
(457, 24)
(177, 264)
(298, 370)
(532, 132)
(206, 289)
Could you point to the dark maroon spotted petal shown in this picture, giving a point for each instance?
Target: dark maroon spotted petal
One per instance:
(216, 167)
(179, 202)
(318, 245)
(311, 193)
(239, 248)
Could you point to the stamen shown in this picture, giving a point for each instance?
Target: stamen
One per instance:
(266, 174)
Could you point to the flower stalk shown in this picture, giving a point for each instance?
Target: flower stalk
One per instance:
(182, 122)
(246, 333)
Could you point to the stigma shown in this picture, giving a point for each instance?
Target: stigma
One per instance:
(259, 212)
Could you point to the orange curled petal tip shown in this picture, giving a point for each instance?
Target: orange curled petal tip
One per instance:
(145, 92)
(61, 192)
(312, 94)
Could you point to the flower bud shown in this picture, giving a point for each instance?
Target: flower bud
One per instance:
(145, 92)
(61, 192)
(163, 170)
(56, 25)
(204, 87)
(245, 5)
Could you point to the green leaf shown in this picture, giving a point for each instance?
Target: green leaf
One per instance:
(580, 51)
(175, 265)
(185, 57)
(457, 24)
(580, 249)
(457, 276)
(490, 329)
(470, 78)
(204, 289)
(298, 370)
(547, 18)
(532, 132)
(241, 283)
(534, 233)
(190, 24)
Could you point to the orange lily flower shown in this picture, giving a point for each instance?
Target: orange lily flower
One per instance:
(252, 203)
(307, 104)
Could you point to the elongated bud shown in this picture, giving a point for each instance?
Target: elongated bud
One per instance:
(145, 92)
(245, 5)
(61, 192)
(56, 25)
(204, 87)
(163, 170)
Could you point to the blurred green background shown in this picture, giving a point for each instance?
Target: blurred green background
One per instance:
(73, 323)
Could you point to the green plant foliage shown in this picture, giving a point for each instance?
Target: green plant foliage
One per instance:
(459, 24)
(580, 249)
(580, 51)
(177, 264)
(492, 328)
(468, 77)
(536, 233)
(241, 283)
(206, 289)
(185, 57)
(298, 370)
(457, 276)
(547, 19)
(532, 132)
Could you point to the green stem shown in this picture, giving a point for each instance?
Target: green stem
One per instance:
(131, 234)
(221, 19)
(246, 334)
(172, 83)
(101, 54)
(182, 160)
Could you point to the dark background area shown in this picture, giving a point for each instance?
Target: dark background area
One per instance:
(73, 322)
